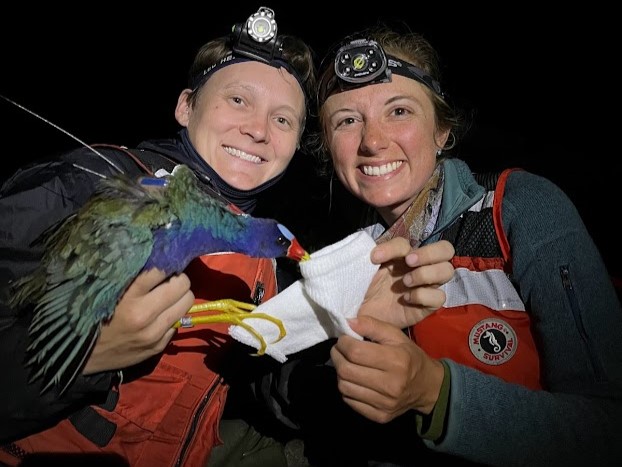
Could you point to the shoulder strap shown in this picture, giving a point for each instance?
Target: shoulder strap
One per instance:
(149, 161)
(154, 160)
(479, 232)
(487, 179)
(496, 216)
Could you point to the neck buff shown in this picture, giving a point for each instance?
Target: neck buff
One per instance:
(246, 200)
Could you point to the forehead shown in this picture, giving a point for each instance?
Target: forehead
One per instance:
(399, 87)
(260, 79)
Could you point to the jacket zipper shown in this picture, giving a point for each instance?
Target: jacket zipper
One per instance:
(576, 313)
(195, 420)
(260, 291)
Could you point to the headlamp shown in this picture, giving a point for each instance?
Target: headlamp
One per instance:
(362, 62)
(257, 37)
(261, 26)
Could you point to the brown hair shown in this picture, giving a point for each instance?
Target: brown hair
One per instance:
(296, 53)
(411, 47)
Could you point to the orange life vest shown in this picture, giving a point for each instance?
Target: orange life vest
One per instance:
(170, 416)
(483, 323)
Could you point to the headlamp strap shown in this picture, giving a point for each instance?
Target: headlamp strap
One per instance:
(257, 40)
(362, 62)
(408, 70)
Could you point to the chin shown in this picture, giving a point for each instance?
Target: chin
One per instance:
(385, 202)
(245, 184)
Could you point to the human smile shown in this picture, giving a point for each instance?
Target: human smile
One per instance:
(376, 171)
(242, 155)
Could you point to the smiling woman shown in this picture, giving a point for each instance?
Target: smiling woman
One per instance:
(234, 101)
(526, 84)
(523, 114)
(251, 100)
(529, 280)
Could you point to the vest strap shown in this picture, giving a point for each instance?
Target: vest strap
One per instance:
(92, 425)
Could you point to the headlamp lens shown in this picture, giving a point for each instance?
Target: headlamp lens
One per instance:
(256, 38)
(361, 61)
(261, 26)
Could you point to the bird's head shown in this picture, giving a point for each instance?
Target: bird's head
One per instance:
(267, 238)
(230, 229)
(295, 250)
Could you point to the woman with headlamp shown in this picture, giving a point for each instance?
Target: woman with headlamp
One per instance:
(150, 394)
(521, 366)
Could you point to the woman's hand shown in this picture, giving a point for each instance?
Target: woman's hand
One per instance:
(387, 374)
(406, 288)
(141, 325)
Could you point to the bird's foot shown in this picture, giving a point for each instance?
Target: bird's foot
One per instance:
(233, 312)
(226, 305)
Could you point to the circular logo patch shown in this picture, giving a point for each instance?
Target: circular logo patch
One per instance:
(493, 341)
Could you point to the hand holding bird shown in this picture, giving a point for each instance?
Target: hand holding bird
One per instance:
(142, 323)
(128, 227)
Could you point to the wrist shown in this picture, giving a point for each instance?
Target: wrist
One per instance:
(435, 375)
(432, 426)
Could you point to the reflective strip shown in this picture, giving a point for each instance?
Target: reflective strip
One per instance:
(490, 288)
(484, 202)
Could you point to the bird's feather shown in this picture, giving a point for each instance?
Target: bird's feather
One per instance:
(127, 226)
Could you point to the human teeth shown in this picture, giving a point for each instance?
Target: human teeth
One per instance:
(381, 170)
(242, 155)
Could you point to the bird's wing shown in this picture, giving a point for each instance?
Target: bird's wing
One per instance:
(84, 285)
(88, 264)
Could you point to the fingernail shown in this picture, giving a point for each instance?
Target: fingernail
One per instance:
(412, 259)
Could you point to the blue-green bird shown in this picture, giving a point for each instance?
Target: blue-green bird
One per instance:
(128, 226)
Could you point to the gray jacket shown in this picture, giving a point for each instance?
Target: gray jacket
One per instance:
(577, 322)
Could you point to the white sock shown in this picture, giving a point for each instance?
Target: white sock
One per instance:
(316, 307)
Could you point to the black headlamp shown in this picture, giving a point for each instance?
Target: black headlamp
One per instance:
(362, 62)
(256, 39)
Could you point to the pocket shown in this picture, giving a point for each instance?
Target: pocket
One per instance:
(145, 401)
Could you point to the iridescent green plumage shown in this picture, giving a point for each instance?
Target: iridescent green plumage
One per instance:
(126, 227)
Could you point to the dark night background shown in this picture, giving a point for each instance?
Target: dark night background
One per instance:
(535, 81)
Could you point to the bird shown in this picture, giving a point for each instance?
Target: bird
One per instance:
(130, 225)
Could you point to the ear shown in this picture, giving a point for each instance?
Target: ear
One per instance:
(182, 111)
(441, 137)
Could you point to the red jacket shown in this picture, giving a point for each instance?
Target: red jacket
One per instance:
(170, 416)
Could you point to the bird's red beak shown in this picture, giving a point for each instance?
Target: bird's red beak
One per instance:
(297, 252)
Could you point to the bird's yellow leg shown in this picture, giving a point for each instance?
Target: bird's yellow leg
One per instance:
(188, 322)
(226, 305)
(229, 305)
(234, 312)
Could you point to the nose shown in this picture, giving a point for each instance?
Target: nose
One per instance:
(256, 126)
(373, 138)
